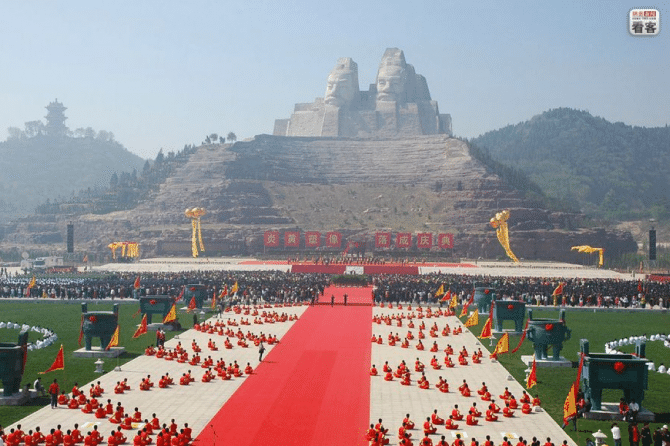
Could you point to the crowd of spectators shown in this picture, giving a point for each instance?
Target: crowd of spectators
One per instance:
(276, 286)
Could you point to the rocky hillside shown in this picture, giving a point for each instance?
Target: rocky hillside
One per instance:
(357, 186)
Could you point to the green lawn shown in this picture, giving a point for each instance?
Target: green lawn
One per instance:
(598, 328)
(64, 319)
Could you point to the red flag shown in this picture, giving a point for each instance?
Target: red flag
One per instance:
(639, 286)
(181, 295)
(114, 342)
(523, 337)
(532, 377)
(447, 296)
(467, 304)
(191, 305)
(137, 283)
(59, 362)
(486, 331)
(559, 290)
(224, 292)
(139, 310)
(142, 328)
(81, 331)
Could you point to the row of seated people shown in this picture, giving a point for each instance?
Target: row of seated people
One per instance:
(71, 437)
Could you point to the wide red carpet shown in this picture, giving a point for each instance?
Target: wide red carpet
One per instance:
(355, 295)
(312, 389)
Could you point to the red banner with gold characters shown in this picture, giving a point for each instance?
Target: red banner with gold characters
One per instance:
(445, 241)
(292, 239)
(424, 240)
(271, 239)
(382, 239)
(403, 240)
(312, 239)
(333, 239)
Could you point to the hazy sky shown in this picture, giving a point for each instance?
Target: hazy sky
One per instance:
(161, 74)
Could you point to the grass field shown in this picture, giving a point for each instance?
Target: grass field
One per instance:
(64, 319)
(553, 384)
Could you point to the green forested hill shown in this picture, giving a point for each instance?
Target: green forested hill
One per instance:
(610, 170)
(40, 168)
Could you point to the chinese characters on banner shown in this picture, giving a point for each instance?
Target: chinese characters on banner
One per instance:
(333, 239)
(424, 240)
(312, 239)
(403, 240)
(445, 241)
(292, 239)
(382, 239)
(271, 239)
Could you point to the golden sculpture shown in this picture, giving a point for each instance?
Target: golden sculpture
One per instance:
(196, 239)
(500, 223)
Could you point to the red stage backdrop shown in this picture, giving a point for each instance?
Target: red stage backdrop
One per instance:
(382, 239)
(333, 239)
(445, 241)
(424, 240)
(271, 239)
(292, 239)
(403, 240)
(312, 239)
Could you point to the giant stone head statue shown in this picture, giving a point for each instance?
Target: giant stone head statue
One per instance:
(392, 76)
(342, 86)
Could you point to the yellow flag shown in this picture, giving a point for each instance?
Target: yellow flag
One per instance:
(440, 291)
(234, 289)
(454, 301)
(473, 319)
(114, 342)
(502, 346)
(172, 315)
(32, 282)
(214, 301)
(570, 405)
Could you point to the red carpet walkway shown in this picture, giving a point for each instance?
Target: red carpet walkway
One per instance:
(355, 295)
(312, 389)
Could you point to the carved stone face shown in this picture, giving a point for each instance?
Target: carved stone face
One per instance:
(391, 81)
(342, 84)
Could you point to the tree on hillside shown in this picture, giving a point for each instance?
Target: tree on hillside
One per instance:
(232, 137)
(222, 139)
(34, 128)
(14, 133)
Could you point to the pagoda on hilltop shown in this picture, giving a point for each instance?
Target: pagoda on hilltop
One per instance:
(56, 119)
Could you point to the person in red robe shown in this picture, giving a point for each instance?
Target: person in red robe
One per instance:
(449, 423)
(435, 418)
(407, 421)
(456, 414)
(428, 428)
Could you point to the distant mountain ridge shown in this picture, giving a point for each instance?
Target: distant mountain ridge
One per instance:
(610, 170)
(45, 167)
